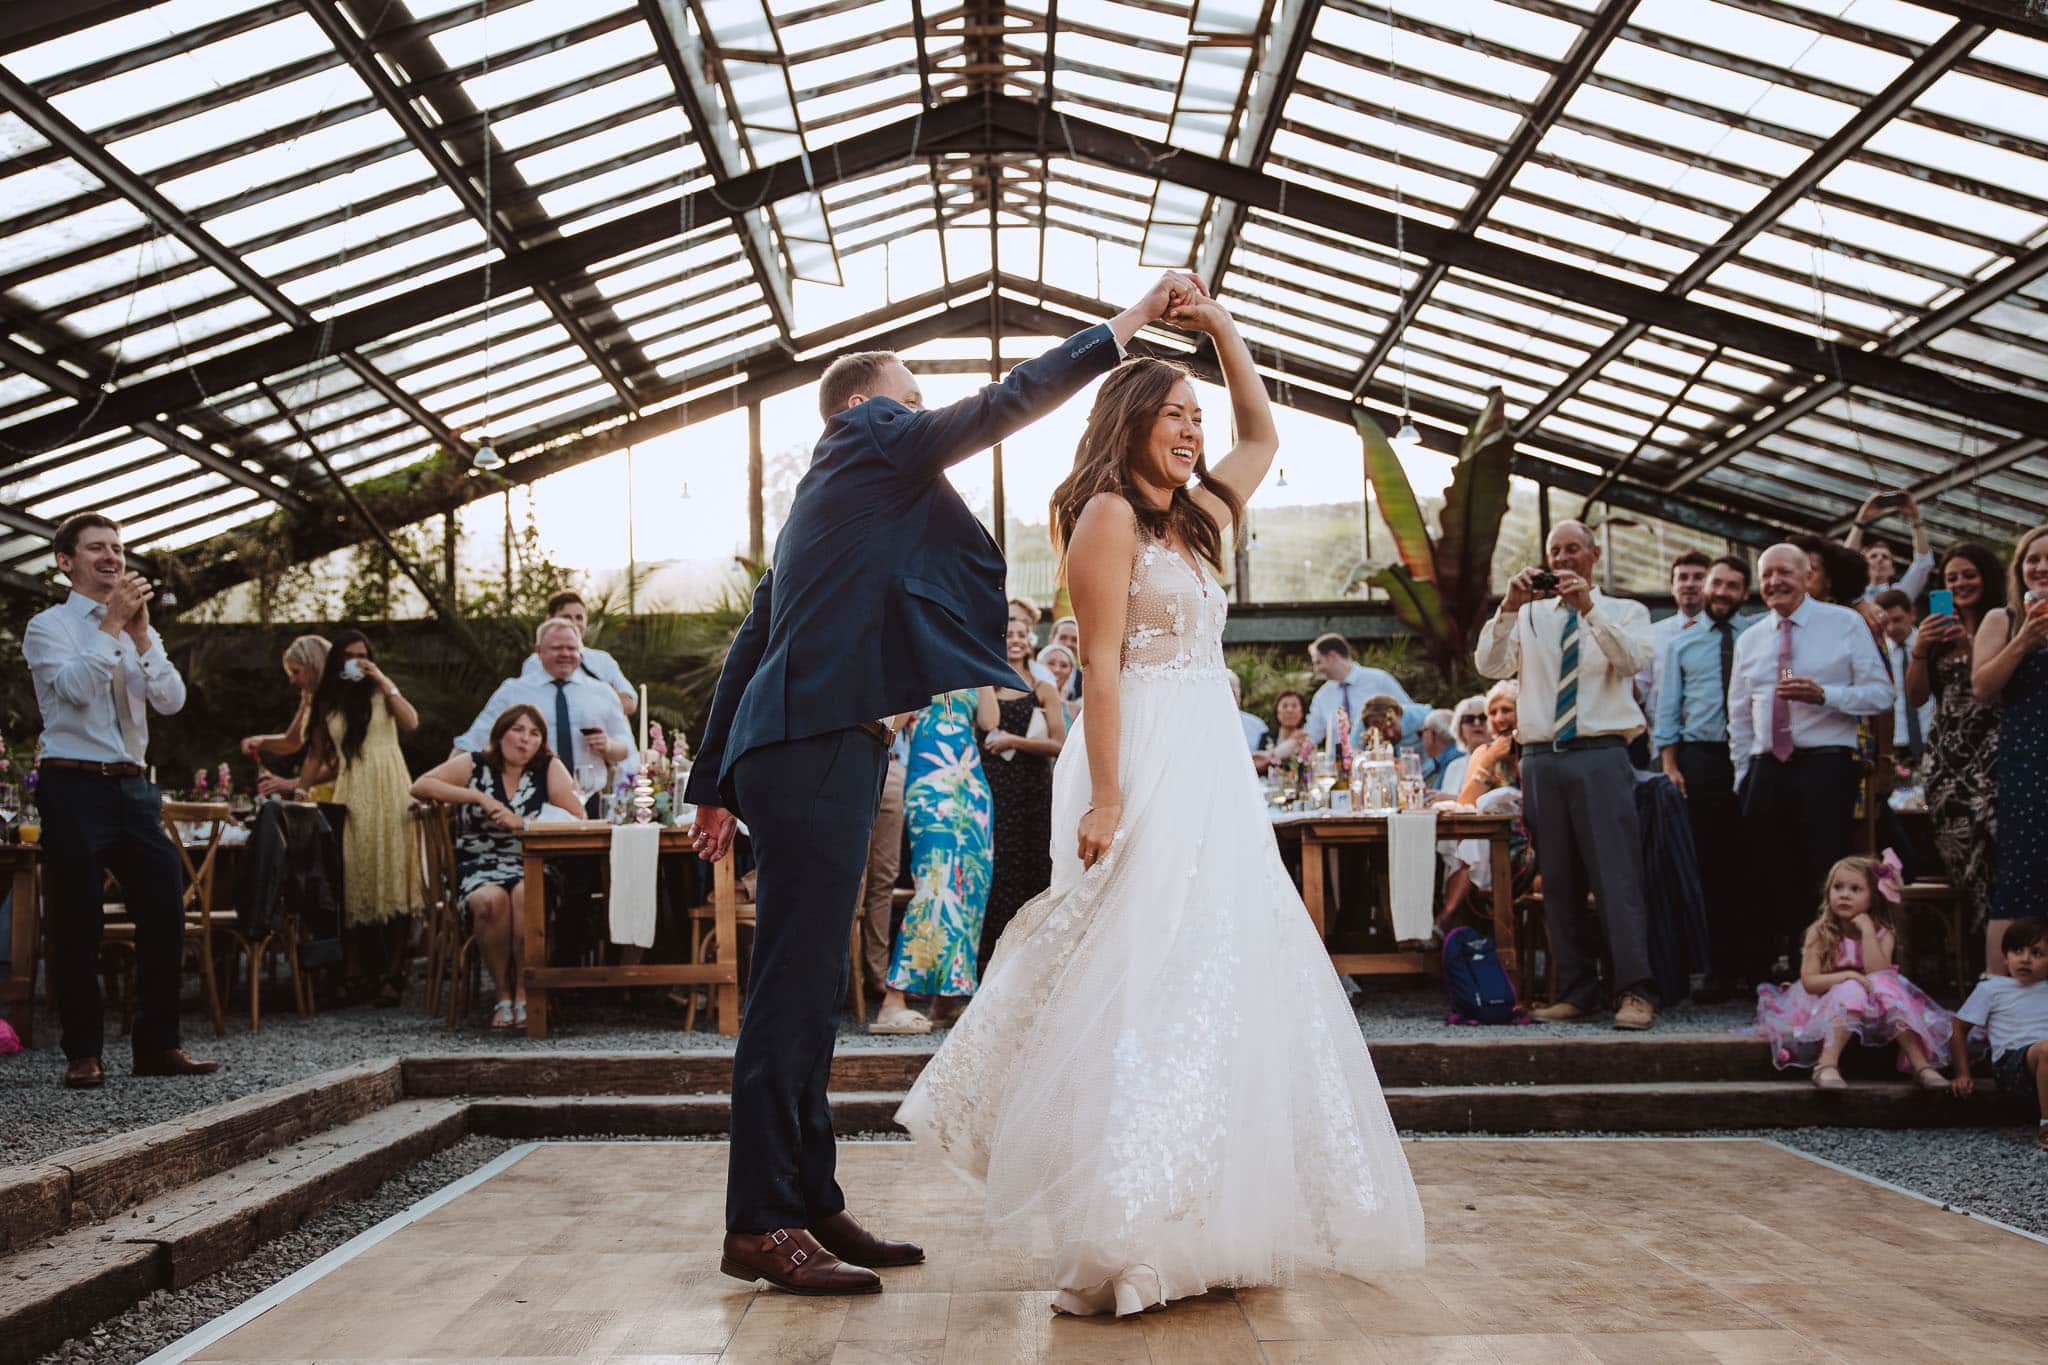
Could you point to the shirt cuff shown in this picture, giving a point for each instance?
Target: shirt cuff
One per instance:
(1122, 353)
(153, 656)
(103, 647)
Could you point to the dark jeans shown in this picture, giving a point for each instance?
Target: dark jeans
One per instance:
(1800, 819)
(93, 825)
(1738, 937)
(810, 807)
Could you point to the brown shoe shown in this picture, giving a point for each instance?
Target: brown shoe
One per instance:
(1563, 1012)
(1634, 1012)
(792, 1261)
(85, 1073)
(855, 1245)
(176, 1062)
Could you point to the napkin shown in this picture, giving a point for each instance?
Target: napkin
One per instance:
(636, 853)
(1411, 857)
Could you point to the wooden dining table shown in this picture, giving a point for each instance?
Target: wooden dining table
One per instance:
(593, 838)
(1320, 832)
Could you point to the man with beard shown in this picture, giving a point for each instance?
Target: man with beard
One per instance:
(1690, 734)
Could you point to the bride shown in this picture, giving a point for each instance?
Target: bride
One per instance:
(1160, 1080)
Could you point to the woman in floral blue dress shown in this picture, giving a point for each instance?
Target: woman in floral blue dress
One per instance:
(946, 805)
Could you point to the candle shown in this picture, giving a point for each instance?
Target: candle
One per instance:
(643, 718)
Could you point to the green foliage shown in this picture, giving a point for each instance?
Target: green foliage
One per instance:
(1265, 671)
(1440, 587)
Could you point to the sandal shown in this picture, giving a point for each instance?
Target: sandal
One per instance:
(901, 1021)
(519, 1013)
(1931, 1079)
(1829, 1078)
(501, 1017)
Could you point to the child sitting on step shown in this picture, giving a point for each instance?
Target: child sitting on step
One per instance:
(2013, 1012)
(1849, 985)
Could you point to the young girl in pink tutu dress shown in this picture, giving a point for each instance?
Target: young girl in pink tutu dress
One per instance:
(1848, 985)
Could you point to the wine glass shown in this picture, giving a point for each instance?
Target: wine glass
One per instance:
(1325, 774)
(589, 782)
(10, 804)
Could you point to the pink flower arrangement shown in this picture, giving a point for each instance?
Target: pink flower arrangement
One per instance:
(224, 779)
(657, 740)
(6, 764)
(199, 781)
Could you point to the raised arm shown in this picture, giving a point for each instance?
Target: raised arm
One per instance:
(2005, 639)
(1099, 558)
(448, 782)
(1256, 440)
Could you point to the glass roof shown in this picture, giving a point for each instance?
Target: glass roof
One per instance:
(1748, 256)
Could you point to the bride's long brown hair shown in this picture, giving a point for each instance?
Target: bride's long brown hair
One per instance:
(1118, 434)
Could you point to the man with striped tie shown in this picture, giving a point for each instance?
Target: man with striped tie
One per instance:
(1577, 653)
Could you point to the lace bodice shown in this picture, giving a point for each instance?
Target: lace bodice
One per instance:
(1175, 621)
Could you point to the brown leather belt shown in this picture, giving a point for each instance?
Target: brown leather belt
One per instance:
(879, 731)
(82, 765)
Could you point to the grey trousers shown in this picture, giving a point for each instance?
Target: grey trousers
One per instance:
(878, 896)
(1581, 810)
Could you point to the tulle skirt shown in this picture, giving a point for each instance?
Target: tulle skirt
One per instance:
(1796, 1022)
(1161, 1083)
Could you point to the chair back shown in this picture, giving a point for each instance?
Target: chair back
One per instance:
(195, 828)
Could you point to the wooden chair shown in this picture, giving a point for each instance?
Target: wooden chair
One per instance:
(704, 945)
(452, 957)
(201, 919)
(1936, 897)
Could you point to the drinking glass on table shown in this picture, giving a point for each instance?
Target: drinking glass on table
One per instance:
(10, 805)
(1324, 771)
(589, 782)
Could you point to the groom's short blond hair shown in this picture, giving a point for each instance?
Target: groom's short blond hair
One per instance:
(855, 372)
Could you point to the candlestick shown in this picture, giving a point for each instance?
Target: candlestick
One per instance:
(643, 718)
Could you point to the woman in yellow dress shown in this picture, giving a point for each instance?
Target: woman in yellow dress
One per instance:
(353, 731)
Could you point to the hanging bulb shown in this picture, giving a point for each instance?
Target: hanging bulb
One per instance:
(1407, 438)
(686, 490)
(1283, 477)
(487, 457)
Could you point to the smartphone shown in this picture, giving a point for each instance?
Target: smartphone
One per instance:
(1941, 602)
(1888, 502)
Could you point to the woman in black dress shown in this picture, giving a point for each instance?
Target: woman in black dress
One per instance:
(1960, 771)
(1022, 732)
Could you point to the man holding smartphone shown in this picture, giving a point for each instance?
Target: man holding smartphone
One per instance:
(1884, 567)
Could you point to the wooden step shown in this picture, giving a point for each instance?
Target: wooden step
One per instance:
(1667, 1106)
(100, 1180)
(60, 1285)
(1502, 1056)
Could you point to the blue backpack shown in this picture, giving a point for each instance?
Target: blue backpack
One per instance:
(1475, 982)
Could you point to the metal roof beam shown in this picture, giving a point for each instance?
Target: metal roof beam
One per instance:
(1285, 46)
(682, 54)
(1572, 70)
(24, 23)
(1907, 87)
(958, 125)
(388, 28)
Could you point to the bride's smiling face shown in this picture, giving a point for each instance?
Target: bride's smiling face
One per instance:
(1174, 444)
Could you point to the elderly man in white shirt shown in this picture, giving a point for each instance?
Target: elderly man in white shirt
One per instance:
(99, 670)
(1803, 674)
(1577, 653)
(586, 725)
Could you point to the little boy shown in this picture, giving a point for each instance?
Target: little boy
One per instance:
(2013, 1012)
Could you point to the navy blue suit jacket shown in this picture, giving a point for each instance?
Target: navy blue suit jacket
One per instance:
(885, 590)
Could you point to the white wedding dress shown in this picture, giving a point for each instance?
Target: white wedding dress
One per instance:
(1160, 1081)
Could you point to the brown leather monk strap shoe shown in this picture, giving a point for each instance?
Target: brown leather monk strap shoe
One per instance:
(854, 1244)
(791, 1260)
(85, 1073)
(176, 1062)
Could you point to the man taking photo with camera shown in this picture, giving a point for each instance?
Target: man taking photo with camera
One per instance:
(1577, 652)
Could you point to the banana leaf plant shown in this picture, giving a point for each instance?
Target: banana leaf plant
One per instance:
(1441, 586)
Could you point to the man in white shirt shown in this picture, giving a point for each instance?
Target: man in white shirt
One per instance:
(1689, 595)
(1803, 673)
(1884, 572)
(100, 669)
(586, 725)
(1910, 723)
(1577, 653)
(568, 606)
(1348, 685)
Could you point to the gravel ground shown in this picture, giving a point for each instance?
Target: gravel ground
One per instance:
(38, 1116)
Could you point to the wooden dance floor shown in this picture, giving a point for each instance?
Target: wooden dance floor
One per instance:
(1578, 1251)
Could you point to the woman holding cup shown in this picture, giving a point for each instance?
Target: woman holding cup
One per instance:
(2011, 672)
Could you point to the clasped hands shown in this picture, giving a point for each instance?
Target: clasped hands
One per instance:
(127, 609)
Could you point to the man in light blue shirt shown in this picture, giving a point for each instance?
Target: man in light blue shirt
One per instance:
(1349, 684)
(100, 669)
(569, 700)
(1689, 596)
(1884, 571)
(1690, 736)
(568, 606)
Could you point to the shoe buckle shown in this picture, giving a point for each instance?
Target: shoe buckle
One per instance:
(799, 1256)
(777, 1237)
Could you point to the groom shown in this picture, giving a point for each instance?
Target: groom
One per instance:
(885, 591)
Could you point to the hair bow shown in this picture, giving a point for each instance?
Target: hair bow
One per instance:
(1891, 877)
